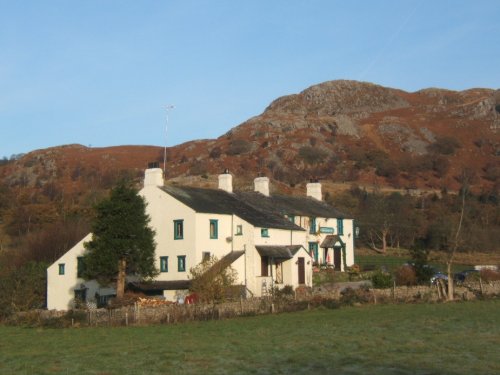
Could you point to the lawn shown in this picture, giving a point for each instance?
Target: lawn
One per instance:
(453, 338)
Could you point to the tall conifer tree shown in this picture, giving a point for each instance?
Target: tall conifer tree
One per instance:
(122, 242)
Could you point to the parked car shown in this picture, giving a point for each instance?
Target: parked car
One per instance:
(460, 277)
(438, 276)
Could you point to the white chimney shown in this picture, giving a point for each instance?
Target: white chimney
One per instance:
(261, 185)
(226, 181)
(153, 177)
(314, 190)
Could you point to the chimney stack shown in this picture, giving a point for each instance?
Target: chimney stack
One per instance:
(261, 185)
(153, 175)
(226, 181)
(314, 189)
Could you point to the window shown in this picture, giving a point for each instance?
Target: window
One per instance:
(80, 267)
(340, 227)
(61, 268)
(181, 263)
(205, 256)
(291, 218)
(213, 229)
(163, 264)
(312, 222)
(313, 250)
(178, 229)
(264, 232)
(264, 266)
(239, 230)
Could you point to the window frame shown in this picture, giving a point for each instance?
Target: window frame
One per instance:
(264, 232)
(340, 227)
(62, 269)
(80, 267)
(239, 230)
(179, 223)
(205, 256)
(181, 260)
(312, 225)
(215, 224)
(314, 248)
(164, 264)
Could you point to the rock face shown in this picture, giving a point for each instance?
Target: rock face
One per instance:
(343, 131)
(340, 97)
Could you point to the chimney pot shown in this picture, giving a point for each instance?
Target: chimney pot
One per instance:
(314, 190)
(261, 185)
(226, 181)
(153, 176)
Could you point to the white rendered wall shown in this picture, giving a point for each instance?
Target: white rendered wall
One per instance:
(61, 288)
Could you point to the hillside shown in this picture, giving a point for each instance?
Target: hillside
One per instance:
(339, 131)
(343, 132)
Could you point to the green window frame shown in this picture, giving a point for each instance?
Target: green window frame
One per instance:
(163, 264)
(181, 263)
(340, 227)
(264, 232)
(313, 250)
(291, 218)
(312, 226)
(214, 229)
(80, 267)
(62, 268)
(239, 230)
(178, 229)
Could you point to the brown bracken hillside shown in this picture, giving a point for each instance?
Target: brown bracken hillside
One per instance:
(341, 132)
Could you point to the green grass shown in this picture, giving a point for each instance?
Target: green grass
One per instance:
(454, 338)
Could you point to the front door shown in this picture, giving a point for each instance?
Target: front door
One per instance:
(337, 258)
(302, 271)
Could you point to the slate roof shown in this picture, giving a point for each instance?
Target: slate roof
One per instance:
(157, 286)
(290, 205)
(331, 240)
(217, 201)
(286, 251)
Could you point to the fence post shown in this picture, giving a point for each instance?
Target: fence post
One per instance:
(241, 305)
(126, 318)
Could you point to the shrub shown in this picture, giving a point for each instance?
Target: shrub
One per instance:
(381, 280)
(215, 153)
(405, 275)
(444, 145)
(351, 296)
(312, 155)
(490, 275)
(239, 146)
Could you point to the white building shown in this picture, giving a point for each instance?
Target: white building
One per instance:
(271, 241)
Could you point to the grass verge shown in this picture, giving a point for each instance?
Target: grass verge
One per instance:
(454, 338)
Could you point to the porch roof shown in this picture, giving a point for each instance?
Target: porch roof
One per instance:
(331, 240)
(286, 251)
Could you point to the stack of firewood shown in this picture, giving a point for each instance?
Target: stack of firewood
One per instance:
(152, 302)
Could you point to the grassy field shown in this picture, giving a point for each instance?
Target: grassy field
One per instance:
(456, 338)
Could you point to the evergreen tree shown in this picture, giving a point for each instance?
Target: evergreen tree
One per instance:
(122, 242)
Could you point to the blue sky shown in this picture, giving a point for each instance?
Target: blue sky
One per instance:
(101, 72)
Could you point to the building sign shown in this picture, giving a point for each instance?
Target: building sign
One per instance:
(327, 230)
